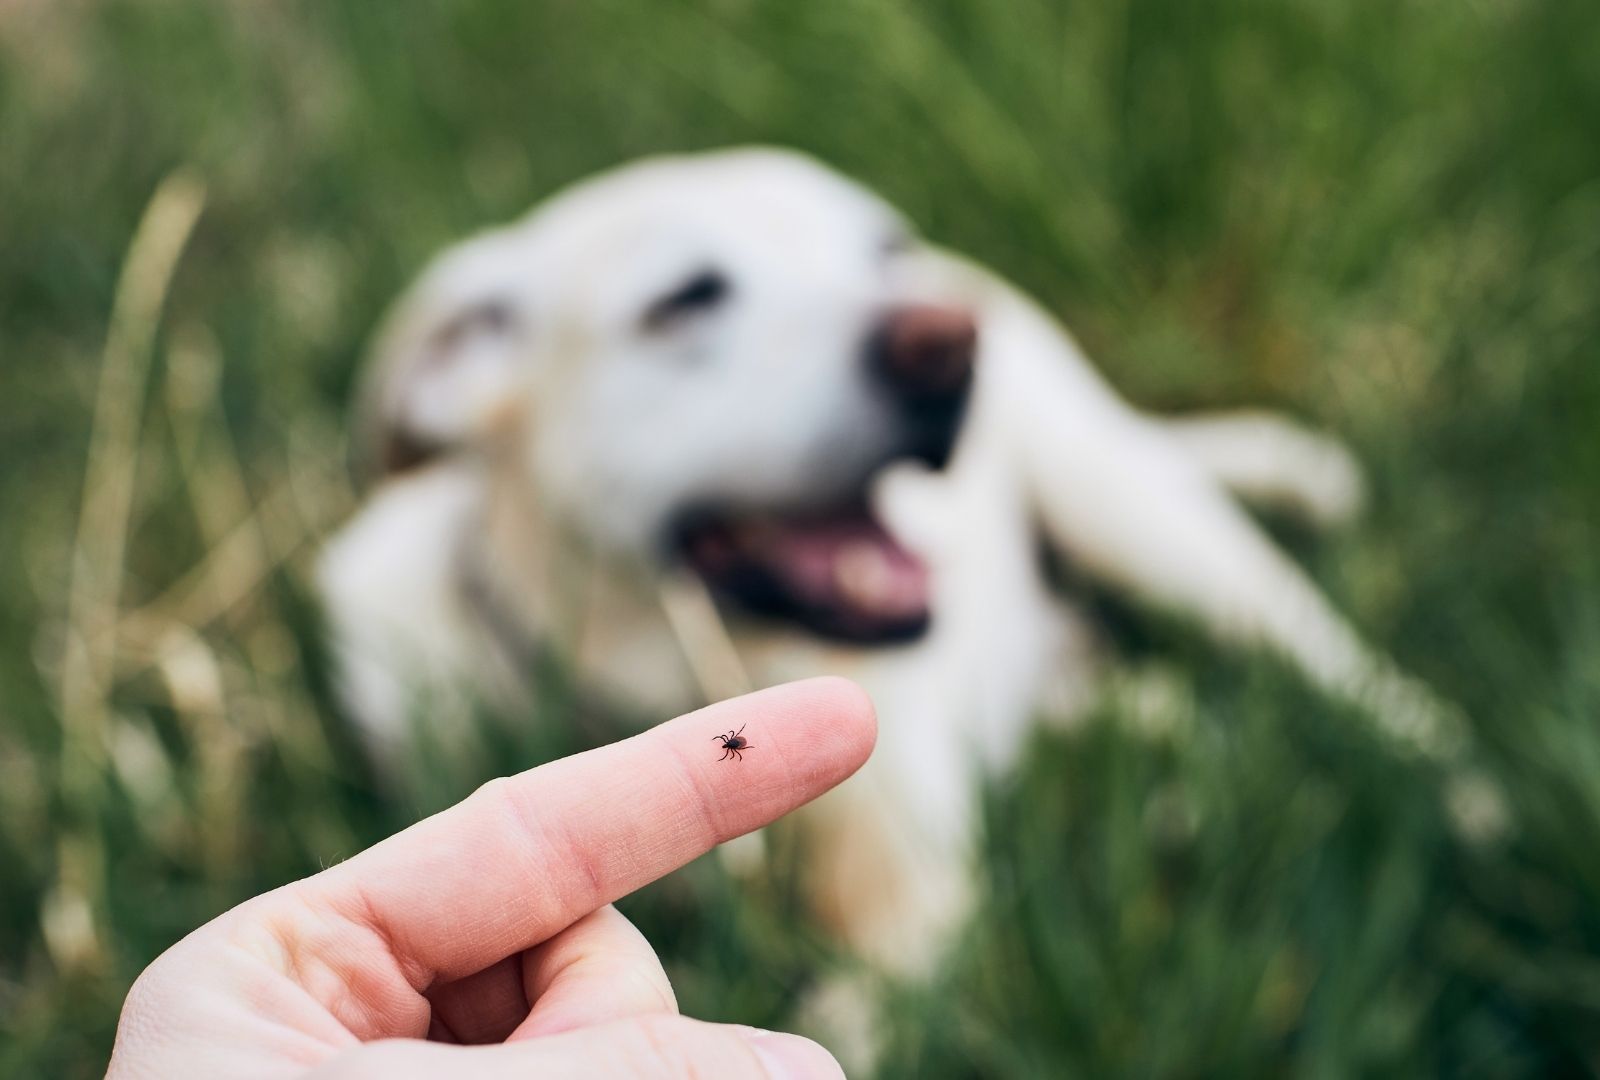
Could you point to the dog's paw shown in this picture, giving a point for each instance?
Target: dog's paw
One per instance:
(1332, 490)
(1275, 462)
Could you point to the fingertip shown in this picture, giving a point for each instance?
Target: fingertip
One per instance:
(831, 720)
(850, 712)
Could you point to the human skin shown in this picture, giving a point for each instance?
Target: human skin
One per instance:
(480, 943)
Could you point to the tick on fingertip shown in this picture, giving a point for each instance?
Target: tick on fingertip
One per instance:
(732, 743)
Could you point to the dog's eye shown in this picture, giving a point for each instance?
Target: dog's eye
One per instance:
(491, 318)
(700, 293)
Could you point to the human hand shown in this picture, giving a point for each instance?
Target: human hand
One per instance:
(480, 943)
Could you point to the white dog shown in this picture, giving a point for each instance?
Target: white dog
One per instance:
(718, 421)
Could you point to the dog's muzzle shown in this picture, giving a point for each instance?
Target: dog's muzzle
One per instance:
(836, 570)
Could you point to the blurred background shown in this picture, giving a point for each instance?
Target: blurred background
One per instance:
(1383, 216)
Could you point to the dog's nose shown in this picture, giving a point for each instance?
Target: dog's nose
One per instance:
(925, 352)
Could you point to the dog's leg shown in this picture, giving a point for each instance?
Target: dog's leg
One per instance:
(1272, 461)
(888, 870)
(1125, 500)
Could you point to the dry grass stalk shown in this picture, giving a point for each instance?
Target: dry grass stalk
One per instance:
(703, 638)
(96, 572)
(97, 561)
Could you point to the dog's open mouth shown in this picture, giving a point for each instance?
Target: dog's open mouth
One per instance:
(837, 573)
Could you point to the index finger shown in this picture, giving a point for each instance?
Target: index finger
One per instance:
(526, 856)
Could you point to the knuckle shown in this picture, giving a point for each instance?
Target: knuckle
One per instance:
(537, 839)
(652, 993)
(496, 792)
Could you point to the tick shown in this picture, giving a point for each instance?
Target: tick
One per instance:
(732, 743)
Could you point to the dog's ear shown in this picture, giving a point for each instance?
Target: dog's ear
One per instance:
(449, 360)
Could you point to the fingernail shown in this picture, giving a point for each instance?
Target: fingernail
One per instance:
(789, 1057)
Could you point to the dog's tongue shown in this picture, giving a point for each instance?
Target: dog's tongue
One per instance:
(853, 564)
(844, 574)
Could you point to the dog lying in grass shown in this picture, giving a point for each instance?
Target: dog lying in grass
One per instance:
(717, 421)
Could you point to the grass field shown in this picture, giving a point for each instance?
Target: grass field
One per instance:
(1383, 216)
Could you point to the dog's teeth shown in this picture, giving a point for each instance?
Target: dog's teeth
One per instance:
(862, 572)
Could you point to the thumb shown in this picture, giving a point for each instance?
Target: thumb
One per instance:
(659, 1046)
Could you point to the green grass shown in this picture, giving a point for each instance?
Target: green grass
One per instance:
(1384, 216)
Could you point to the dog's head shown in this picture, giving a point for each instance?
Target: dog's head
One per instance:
(703, 359)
